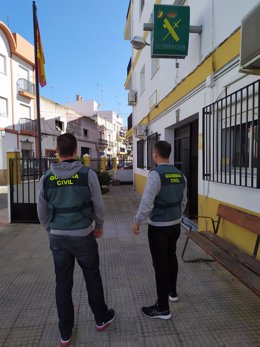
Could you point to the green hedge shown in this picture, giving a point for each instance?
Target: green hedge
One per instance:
(104, 180)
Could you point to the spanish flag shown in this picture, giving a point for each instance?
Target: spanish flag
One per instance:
(40, 57)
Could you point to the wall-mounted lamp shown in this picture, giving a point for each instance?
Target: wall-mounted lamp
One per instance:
(139, 43)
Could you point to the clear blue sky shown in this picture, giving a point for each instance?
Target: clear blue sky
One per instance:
(84, 47)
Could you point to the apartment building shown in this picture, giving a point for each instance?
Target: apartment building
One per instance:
(117, 135)
(57, 119)
(17, 97)
(204, 104)
(111, 136)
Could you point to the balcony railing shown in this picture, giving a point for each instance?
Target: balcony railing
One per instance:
(119, 136)
(26, 86)
(26, 124)
(102, 142)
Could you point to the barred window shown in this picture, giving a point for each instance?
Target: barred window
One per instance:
(151, 141)
(140, 154)
(231, 137)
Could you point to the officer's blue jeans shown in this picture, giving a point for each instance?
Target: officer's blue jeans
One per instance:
(65, 250)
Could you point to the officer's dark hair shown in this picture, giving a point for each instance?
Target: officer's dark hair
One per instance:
(66, 144)
(163, 148)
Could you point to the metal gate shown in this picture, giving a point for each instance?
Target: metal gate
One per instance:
(24, 182)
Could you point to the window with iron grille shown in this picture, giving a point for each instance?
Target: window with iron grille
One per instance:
(231, 137)
(151, 141)
(140, 154)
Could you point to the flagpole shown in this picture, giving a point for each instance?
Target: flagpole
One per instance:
(37, 92)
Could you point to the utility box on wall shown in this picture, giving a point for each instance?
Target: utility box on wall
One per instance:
(250, 42)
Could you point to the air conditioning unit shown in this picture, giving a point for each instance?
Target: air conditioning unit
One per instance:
(250, 42)
(141, 131)
(132, 97)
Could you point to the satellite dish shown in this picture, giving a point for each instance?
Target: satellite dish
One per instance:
(139, 43)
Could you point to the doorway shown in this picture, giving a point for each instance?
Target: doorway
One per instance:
(186, 160)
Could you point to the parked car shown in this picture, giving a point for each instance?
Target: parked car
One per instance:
(128, 167)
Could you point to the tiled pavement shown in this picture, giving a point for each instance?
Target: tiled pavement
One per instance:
(214, 308)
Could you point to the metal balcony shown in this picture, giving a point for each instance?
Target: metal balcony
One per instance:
(102, 143)
(26, 88)
(26, 124)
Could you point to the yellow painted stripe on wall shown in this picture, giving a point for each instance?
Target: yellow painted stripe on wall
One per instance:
(129, 133)
(227, 51)
(190, 82)
(140, 182)
(200, 142)
(243, 239)
(128, 20)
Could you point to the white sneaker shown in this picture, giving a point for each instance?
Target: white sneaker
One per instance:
(173, 297)
(64, 343)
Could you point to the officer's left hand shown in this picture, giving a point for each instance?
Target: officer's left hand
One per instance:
(136, 229)
(98, 233)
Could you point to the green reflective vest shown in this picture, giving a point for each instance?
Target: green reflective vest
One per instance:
(69, 200)
(167, 204)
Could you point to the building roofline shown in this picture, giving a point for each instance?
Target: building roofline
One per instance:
(9, 36)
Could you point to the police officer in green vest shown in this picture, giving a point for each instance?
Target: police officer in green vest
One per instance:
(71, 209)
(163, 203)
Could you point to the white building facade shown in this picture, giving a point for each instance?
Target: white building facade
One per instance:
(17, 98)
(203, 106)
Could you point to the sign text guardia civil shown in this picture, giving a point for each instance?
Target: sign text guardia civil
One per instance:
(170, 36)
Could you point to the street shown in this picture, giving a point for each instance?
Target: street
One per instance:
(214, 309)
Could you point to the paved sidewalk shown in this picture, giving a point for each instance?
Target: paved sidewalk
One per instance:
(214, 308)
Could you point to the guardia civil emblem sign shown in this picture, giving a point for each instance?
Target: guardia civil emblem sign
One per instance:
(170, 36)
